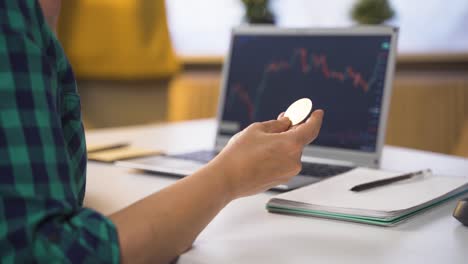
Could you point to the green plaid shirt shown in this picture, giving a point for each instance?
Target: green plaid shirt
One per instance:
(42, 150)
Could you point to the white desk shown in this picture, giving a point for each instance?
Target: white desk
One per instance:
(244, 232)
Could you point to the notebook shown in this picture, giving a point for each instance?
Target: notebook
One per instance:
(385, 206)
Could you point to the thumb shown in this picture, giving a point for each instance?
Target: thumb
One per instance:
(277, 126)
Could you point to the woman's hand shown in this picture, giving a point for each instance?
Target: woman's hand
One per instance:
(265, 154)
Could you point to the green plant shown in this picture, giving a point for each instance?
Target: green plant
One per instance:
(258, 12)
(372, 11)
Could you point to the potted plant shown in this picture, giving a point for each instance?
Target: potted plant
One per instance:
(258, 12)
(372, 11)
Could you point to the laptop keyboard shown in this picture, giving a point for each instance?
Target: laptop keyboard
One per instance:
(322, 170)
(203, 156)
(308, 168)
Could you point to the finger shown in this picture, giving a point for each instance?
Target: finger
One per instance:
(305, 133)
(233, 138)
(280, 115)
(277, 126)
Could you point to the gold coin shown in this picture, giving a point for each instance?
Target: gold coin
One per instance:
(299, 111)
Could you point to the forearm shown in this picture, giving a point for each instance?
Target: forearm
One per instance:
(162, 226)
(165, 224)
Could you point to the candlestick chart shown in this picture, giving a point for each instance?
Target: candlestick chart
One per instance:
(344, 76)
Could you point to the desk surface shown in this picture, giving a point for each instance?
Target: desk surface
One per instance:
(244, 232)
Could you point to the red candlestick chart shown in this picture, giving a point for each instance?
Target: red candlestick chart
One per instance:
(310, 64)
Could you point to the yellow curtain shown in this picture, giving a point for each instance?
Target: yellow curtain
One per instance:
(117, 39)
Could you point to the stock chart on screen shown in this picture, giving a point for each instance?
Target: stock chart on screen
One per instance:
(344, 75)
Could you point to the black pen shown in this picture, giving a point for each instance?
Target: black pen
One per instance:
(373, 184)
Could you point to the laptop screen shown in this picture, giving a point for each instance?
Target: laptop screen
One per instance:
(344, 75)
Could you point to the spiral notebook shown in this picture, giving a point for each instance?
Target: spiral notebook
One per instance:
(385, 206)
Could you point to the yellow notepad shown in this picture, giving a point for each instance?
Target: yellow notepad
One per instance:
(100, 147)
(123, 153)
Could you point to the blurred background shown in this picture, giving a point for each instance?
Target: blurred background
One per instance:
(149, 61)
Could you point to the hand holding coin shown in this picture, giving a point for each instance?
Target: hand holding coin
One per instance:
(298, 111)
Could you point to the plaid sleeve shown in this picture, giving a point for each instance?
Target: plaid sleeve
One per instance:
(41, 218)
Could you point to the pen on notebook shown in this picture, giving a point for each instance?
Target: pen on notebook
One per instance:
(373, 184)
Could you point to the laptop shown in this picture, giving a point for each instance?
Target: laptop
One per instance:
(347, 72)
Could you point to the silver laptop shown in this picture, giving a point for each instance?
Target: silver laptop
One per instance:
(347, 72)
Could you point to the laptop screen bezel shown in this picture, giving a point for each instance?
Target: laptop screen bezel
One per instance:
(356, 157)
